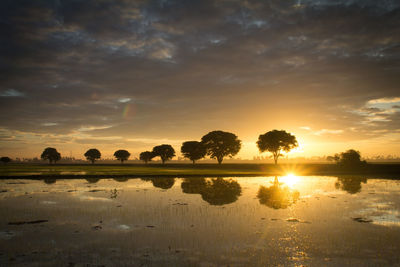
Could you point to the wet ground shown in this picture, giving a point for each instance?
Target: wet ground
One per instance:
(254, 221)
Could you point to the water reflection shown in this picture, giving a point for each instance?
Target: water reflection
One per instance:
(351, 185)
(92, 180)
(121, 179)
(164, 183)
(277, 196)
(217, 191)
(49, 181)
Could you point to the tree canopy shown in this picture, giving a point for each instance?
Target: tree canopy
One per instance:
(165, 152)
(122, 155)
(5, 160)
(51, 154)
(349, 158)
(276, 142)
(92, 154)
(146, 156)
(193, 150)
(220, 144)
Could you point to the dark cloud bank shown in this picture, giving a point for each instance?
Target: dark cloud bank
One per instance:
(90, 71)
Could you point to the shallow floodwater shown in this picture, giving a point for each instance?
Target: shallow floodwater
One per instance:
(252, 221)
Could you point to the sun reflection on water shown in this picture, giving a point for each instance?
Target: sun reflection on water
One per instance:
(290, 180)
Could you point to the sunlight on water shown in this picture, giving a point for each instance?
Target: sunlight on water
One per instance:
(290, 180)
(247, 221)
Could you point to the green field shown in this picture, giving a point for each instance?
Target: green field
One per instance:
(181, 170)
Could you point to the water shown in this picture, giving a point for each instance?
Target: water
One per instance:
(254, 221)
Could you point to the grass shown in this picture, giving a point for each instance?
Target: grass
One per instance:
(183, 170)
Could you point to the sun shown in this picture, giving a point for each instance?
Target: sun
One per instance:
(290, 180)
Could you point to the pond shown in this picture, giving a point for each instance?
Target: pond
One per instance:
(246, 221)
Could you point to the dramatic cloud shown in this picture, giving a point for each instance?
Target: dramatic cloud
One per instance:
(107, 72)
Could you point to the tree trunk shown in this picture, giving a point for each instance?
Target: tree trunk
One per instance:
(193, 161)
(220, 160)
(92, 161)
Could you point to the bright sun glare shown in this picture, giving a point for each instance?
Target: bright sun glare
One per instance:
(290, 180)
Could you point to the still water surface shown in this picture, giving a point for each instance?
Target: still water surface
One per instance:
(252, 221)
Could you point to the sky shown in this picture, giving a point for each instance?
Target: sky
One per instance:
(80, 74)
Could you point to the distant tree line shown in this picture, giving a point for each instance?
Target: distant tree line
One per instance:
(215, 144)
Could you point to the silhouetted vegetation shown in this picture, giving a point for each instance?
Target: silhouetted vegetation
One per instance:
(193, 150)
(216, 191)
(219, 144)
(275, 142)
(165, 152)
(5, 160)
(351, 184)
(51, 154)
(92, 154)
(146, 156)
(122, 155)
(349, 159)
(277, 196)
(161, 182)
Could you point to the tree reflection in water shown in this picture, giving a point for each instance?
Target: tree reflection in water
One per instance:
(50, 181)
(277, 196)
(351, 185)
(164, 183)
(92, 180)
(217, 191)
(121, 179)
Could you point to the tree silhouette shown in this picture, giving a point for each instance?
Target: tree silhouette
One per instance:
(5, 160)
(219, 144)
(146, 156)
(122, 155)
(51, 154)
(277, 196)
(92, 154)
(165, 152)
(193, 150)
(275, 142)
(351, 158)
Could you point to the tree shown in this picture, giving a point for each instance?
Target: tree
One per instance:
(219, 144)
(122, 155)
(276, 142)
(193, 150)
(5, 160)
(92, 154)
(349, 158)
(51, 154)
(146, 156)
(165, 152)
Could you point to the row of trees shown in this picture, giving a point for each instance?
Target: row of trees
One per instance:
(216, 144)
